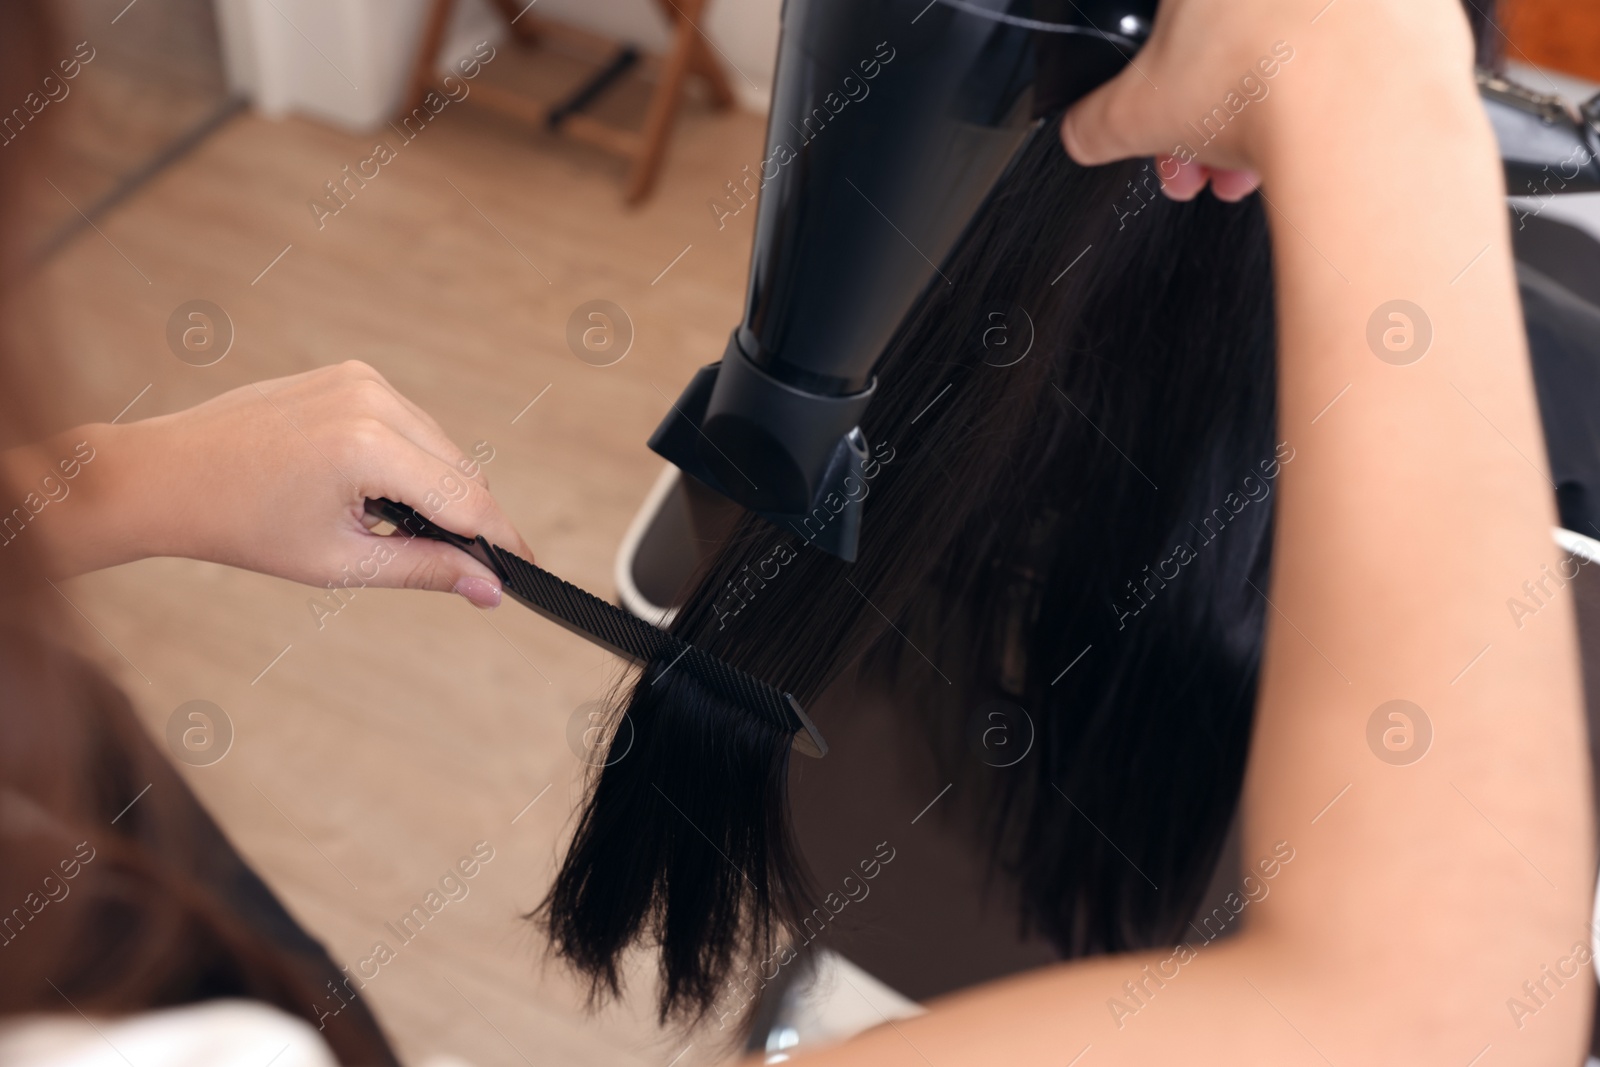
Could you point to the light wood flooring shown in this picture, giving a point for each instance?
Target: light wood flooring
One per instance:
(373, 753)
(155, 76)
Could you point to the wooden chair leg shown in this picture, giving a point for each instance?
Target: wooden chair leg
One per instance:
(520, 19)
(702, 60)
(689, 53)
(422, 72)
(705, 64)
(664, 104)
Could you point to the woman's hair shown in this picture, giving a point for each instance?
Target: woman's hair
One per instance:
(1084, 533)
(106, 905)
(1102, 504)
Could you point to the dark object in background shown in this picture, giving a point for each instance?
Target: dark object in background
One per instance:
(1565, 254)
(1564, 339)
(1547, 146)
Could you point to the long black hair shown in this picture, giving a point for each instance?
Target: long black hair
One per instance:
(1109, 491)
(1084, 533)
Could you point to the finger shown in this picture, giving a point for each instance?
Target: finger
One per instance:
(1231, 186)
(416, 563)
(397, 468)
(426, 424)
(362, 387)
(388, 405)
(367, 372)
(1182, 181)
(1114, 122)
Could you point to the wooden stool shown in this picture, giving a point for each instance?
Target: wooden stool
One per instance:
(644, 148)
(1554, 35)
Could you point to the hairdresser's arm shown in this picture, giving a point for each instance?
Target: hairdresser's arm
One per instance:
(270, 477)
(1423, 898)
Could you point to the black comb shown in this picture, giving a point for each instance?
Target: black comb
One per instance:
(615, 630)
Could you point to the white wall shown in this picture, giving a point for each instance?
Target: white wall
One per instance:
(347, 61)
(342, 61)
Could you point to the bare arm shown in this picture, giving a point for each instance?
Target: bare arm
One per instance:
(270, 477)
(1421, 900)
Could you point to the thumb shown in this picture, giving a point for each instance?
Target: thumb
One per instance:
(1114, 122)
(417, 563)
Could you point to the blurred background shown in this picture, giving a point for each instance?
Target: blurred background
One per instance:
(266, 157)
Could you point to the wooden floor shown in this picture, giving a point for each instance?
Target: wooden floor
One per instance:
(155, 75)
(374, 752)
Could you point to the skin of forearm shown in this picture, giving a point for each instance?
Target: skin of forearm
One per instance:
(73, 503)
(1417, 504)
(1424, 896)
(148, 492)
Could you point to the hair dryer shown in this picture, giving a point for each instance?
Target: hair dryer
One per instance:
(891, 122)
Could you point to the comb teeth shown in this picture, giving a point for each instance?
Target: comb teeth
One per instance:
(626, 635)
(637, 640)
(615, 630)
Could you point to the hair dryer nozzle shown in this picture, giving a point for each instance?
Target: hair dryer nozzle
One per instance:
(793, 457)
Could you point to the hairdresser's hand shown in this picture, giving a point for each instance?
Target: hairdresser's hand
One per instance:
(273, 477)
(1220, 81)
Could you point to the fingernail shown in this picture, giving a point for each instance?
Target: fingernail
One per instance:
(1186, 186)
(480, 591)
(1231, 186)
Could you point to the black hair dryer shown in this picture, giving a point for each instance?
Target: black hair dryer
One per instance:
(891, 122)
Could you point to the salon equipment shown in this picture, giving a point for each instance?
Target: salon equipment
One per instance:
(891, 122)
(613, 629)
(1546, 145)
